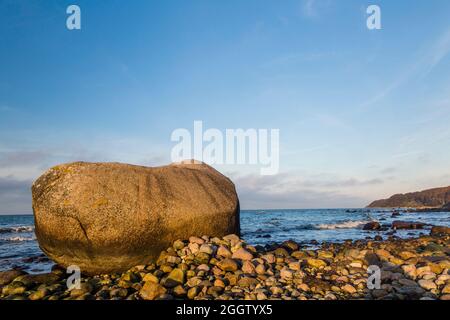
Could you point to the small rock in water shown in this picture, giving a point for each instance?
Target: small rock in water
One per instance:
(290, 245)
(373, 225)
(440, 230)
(407, 225)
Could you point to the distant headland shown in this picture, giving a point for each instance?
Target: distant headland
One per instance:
(436, 198)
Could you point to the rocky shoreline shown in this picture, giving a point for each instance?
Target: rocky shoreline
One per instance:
(227, 269)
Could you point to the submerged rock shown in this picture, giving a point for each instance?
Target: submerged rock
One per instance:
(108, 217)
(440, 230)
(373, 225)
(407, 225)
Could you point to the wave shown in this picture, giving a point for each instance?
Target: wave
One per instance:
(309, 227)
(342, 225)
(18, 239)
(18, 229)
(300, 227)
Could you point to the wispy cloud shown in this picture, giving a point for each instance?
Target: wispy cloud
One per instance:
(289, 190)
(22, 158)
(388, 170)
(352, 182)
(291, 59)
(407, 154)
(154, 161)
(309, 8)
(331, 120)
(425, 63)
(313, 8)
(438, 52)
(15, 195)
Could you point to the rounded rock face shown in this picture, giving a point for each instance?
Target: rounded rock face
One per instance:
(373, 225)
(109, 217)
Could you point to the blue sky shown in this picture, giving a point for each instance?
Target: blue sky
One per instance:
(362, 113)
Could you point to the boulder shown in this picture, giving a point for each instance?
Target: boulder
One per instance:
(228, 264)
(152, 291)
(395, 214)
(242, 254)
(440, 230)
(407, 225)
(9, 275)
(316, 263)
(109, 217)
(373, 225)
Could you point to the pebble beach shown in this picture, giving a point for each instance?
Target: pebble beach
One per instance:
(211, 268)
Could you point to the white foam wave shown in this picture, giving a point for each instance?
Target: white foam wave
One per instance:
(342, 225)
(17, 229)
(18, 239)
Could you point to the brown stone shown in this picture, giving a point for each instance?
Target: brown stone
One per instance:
(8, 276)
(242, 254)
(108, 217)
(316, 263)
(407, 225)
(349, 289)
(224, 252)
(440, 230)
(248, 267)
(373, 225)
(228, 264)
(151, 291)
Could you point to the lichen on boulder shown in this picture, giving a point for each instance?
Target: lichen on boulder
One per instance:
(108, 217)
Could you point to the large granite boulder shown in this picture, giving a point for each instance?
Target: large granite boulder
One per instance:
(108, 217)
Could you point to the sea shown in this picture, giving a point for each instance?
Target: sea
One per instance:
(309, 227)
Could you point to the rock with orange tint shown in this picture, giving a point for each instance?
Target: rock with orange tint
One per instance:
(108, 217)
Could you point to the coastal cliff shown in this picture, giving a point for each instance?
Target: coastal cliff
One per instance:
(431, 198)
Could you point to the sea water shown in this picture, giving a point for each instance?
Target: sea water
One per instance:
(19, 248)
